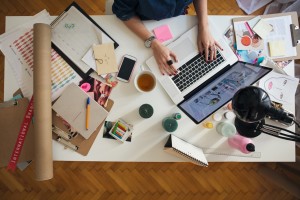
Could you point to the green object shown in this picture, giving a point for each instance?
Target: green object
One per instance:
(226, 129)
(170, 124)
(177, 116)
(146, 111)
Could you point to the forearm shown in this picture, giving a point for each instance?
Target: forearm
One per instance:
(201, 10)
(136, 26)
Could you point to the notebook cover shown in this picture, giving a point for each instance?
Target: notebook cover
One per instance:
(185, 151)
(83, 144)
(71, 106)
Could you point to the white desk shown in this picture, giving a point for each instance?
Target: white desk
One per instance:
(149, 137)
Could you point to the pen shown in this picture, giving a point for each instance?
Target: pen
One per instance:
(87, 113)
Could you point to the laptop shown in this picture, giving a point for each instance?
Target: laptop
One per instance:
(197, 79)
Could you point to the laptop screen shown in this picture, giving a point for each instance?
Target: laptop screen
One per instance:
(220, 89)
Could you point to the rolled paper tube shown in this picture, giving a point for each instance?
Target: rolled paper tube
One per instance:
(42, 101)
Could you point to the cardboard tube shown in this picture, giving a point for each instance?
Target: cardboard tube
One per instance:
(42, 102)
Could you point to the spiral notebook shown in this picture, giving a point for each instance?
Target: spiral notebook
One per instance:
(185, 150)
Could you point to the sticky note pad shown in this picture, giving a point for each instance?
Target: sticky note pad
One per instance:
(262, 28)
(277, 48)
(163, 33)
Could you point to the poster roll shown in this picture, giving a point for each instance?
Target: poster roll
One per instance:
(42, 101)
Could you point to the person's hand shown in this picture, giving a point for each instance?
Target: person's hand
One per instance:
(207, 44)
(164, 58)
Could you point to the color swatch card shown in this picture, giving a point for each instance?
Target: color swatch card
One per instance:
(71, 106)
(105, 57)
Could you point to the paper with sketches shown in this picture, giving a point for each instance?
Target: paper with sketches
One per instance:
(252, 22)
(74, 34)
(281, 31)
(17, 46)
(262, 28)
(71, 106)
(89, 59)
(245, 40)
(281, 88)
(249, 56)
(105, 57)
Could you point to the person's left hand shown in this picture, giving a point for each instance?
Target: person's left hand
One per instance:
(207, 44)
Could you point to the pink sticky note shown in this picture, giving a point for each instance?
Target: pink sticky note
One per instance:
(163, 33)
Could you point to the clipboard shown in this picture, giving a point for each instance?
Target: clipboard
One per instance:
(69, 26)
(294, 28)
(77, 143)
(11, 117)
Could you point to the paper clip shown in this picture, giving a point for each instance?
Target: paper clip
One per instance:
(61, 133)
(67, 144)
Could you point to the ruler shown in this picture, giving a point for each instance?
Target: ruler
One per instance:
(225, 152)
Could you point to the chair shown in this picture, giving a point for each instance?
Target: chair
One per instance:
(108, 5)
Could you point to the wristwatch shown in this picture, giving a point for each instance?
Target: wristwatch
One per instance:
(148, 42)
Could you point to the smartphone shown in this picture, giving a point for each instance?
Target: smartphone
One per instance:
(126, 68)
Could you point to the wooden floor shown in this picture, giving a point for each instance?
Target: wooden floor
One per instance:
(112, 180)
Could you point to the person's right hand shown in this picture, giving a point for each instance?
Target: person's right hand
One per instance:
(162, 55)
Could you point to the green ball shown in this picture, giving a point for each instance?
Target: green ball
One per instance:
(146, 111)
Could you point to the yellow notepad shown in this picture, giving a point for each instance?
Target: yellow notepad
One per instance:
(105, 57)
(277, 48)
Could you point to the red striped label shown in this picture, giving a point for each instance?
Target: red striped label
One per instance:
(21, 137)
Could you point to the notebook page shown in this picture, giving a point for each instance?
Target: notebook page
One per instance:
(188, 149)
(74, 34)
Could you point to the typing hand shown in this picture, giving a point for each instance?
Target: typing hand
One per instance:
(164, 58)
(207, 44)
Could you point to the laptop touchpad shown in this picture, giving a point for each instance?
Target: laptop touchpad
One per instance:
(184, 49)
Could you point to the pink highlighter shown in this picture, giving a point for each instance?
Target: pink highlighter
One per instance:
(244, 144)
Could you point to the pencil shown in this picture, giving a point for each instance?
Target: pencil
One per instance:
(87, 113)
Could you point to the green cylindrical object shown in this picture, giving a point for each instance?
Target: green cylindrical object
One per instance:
(146, 111)
(177, 116)
(226, 129)
(170, 124)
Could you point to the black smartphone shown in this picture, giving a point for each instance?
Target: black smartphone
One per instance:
(126, 68)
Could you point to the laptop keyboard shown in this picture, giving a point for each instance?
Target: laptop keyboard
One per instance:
(194, 69)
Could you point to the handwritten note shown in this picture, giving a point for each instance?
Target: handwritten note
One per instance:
(105, 58)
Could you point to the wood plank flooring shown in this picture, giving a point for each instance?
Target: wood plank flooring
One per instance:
(114, 180)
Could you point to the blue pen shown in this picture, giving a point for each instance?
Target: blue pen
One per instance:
(87, 117)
